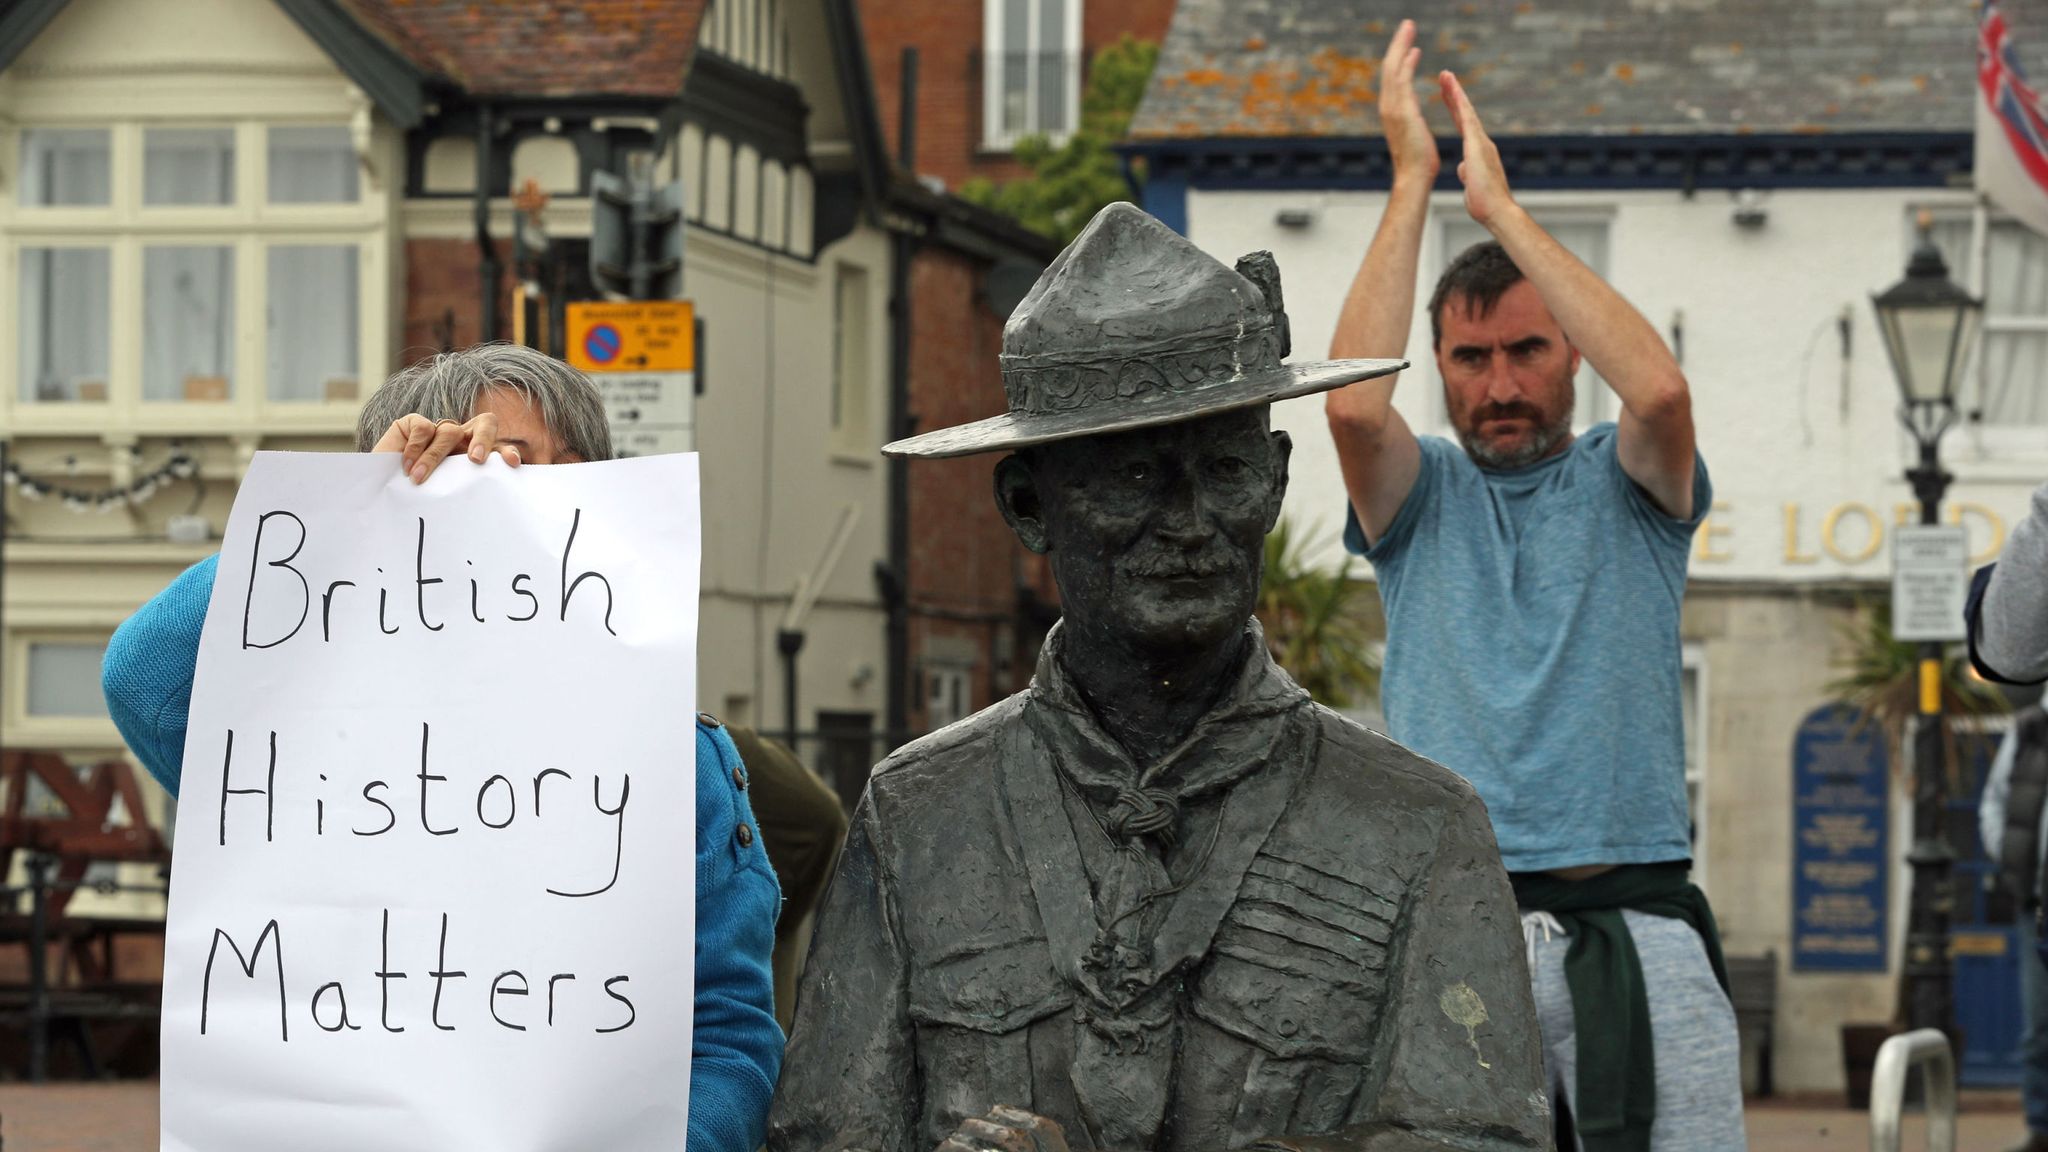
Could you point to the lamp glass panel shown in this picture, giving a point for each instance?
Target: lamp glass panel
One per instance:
(1920, 340)
(1968, 326)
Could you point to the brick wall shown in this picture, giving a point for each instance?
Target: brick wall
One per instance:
(442, 281)
(947, 35)
(966, 568)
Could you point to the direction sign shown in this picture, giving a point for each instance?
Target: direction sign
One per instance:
(634, 336)
(1930, 581)
(629, 442)
(649, 412)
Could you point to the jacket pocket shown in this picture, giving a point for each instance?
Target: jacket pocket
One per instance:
(995, 990)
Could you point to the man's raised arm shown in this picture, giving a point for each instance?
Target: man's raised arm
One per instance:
(1375, 448)
(1655, 441)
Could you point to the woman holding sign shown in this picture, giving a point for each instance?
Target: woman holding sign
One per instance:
(527, 409)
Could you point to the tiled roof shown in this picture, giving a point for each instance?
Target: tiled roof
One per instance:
(542, 47)
(1308, 68)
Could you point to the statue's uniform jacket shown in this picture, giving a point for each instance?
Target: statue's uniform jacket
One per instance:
(1344, 971)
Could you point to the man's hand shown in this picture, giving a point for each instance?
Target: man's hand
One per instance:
(1409, 140)
(1486, 184)
(1006, 1130)
(425, 443)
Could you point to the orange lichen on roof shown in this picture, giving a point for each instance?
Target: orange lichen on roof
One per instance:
(1524, 8)
(1578, 67)
(1595, 109)
(1255, 44)
(1625, 73)
(1736, 48)
(1205, 77)
(1280, 101)
(1920, 82)
(1866, 80)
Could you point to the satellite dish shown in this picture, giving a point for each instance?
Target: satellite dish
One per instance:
(1007, 284)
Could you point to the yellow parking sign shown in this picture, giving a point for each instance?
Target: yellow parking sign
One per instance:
(634, 336)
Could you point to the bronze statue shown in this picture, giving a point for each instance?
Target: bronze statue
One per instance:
(1159, 899)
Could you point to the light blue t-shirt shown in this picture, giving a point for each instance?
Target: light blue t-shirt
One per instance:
(1532, 648)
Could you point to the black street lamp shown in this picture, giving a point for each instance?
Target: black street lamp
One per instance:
(1929, 325)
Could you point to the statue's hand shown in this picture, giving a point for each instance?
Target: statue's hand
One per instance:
(1006, 1130)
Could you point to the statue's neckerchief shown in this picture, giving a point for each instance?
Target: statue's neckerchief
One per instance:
(1253, 746)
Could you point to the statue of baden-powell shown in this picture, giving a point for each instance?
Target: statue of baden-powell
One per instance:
(1159, 899)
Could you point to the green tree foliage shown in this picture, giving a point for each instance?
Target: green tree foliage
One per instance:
(1880, 678)
(1072, 180)
(1318, 624)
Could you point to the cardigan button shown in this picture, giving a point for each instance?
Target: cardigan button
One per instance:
(739, 779)
(708, 720)
(746, 835)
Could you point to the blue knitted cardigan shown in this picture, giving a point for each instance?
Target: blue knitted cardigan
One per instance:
(735, 1045)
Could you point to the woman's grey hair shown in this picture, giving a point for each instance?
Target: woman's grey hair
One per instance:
(447, 387)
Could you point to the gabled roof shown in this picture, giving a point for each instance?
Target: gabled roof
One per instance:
(544, 48)
(1557, 68)
(397, 49)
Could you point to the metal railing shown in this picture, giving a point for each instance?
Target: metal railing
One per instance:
(40, 1010)
(1928, 1050)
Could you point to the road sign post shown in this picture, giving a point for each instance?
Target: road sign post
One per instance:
(643, 356)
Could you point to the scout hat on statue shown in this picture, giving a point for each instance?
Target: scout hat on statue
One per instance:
(1133, 326)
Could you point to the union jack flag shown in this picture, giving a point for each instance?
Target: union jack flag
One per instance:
(2012, 159)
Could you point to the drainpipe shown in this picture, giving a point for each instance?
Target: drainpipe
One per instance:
(896, 590)
(487, 252)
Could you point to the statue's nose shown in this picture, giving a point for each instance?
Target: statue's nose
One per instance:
(1181, 519)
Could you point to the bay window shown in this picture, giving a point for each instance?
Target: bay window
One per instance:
(157, 266)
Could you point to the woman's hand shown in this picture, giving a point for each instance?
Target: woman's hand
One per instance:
(425, 443)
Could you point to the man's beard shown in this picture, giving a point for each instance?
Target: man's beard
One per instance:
(1542, 439)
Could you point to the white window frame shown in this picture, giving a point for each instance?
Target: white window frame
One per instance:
(125, 227)
(2025, 444)
(957, 677)
(35, 731)
(851, 399)
(994, 137)
(1447, 211)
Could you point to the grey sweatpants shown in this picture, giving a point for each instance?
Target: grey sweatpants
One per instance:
(1692, 1026)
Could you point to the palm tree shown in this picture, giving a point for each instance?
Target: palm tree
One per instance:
(1881, 680)
(1318, 624)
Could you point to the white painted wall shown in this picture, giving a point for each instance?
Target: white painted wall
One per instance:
(773, 484)
(1760, 347)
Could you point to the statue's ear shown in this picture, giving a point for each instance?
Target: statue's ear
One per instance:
(1283, 448)
(1017, 495)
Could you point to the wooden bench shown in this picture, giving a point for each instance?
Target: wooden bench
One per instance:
(1753, 989)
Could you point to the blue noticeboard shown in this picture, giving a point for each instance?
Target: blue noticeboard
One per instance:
(1841, 810)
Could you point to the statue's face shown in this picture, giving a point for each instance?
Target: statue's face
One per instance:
(1156, 536)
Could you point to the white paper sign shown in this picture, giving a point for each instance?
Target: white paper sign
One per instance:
(435, 853)
(1930, 581)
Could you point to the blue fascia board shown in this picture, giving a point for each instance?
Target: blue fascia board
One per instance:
(1686, 163)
